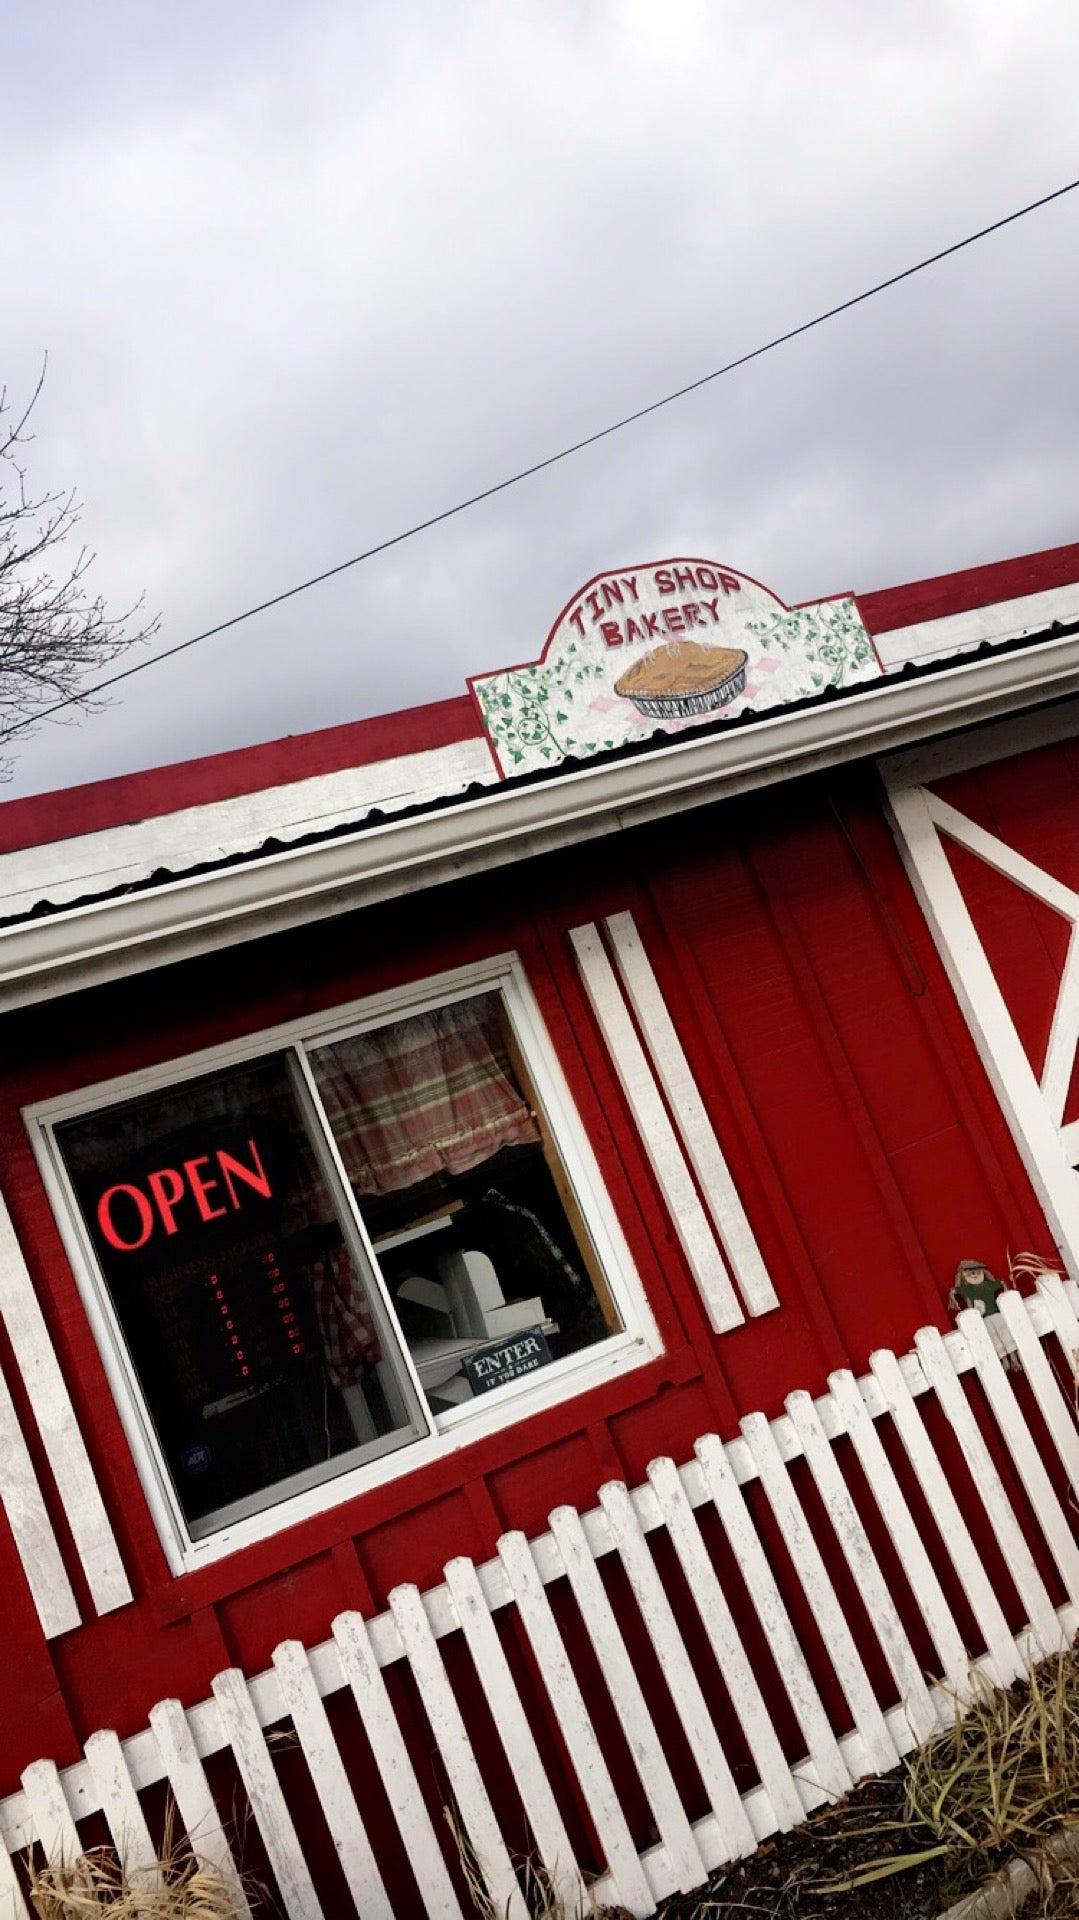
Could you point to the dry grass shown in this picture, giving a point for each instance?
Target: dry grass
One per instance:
(541, 1896)
(96, 1884)
(1007, 1776)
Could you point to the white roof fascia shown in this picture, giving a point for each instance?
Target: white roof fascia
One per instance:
(107, 939)
(960, 632)
(65, 870)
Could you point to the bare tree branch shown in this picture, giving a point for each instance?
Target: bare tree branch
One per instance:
(54, 636)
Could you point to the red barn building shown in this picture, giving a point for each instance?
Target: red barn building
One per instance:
(481, 1190)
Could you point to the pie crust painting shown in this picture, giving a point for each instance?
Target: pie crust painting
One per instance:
(683, 678)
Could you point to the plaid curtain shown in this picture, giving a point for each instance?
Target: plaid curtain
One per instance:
(430, 1094)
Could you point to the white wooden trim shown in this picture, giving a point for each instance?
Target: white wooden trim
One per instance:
(979, 746)
(660, 1141)
(999, 1046)
(675, 1076)
(1003, 859)
(31, 1527)
(69, 1463)
(950, 633)
(1063, 1035)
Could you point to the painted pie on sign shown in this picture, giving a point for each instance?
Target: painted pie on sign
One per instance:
(683, 678)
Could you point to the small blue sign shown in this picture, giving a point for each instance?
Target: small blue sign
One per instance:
(196, 1459)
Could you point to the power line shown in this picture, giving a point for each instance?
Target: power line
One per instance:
(540, 466)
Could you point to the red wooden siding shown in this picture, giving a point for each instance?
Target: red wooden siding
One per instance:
(847, 1096)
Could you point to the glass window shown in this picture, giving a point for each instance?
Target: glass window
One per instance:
(224, 1258)
(314, 1258)
(466, 1201)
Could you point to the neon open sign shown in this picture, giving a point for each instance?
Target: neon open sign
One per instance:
(205, 1187)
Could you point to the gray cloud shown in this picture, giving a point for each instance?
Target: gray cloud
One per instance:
(309, 273)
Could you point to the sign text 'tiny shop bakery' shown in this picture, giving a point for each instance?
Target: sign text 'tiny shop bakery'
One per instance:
(657, 648)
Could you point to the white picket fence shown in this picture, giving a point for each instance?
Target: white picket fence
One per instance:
(1041, 1331)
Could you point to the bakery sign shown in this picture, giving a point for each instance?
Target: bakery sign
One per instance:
(659, 648)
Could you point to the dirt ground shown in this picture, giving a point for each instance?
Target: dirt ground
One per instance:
(807, 1874)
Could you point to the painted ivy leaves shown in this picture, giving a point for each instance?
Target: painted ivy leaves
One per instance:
(538, 715)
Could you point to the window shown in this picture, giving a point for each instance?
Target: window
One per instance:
(341, 1253)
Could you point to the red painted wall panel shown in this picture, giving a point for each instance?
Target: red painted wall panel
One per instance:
(857, 1121)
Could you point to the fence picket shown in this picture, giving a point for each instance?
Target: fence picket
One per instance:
(1059, 1303)
(186, 1776)
(330, 1780)
(897, 1517)
(726, 1643)
(12, 1899)
(575, 1725)
(628, 1700)
(398, 1776)
(689, 1703)
(944, 1507)
(945, 1382)
(112, 1775)
(1057, 1412)
(272, 1817)
(57, 1834)
(122, 1808)
(827, 1767)
(1019, 1441)
(865, 1567)
(451, 1737)
(847, 1663)
(481, 1636)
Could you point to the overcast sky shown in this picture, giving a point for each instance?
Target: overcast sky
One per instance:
(309, 272)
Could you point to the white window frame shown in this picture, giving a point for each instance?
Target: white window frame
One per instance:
(638, 1342)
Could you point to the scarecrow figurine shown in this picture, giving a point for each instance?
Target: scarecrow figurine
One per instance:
(975, 1286)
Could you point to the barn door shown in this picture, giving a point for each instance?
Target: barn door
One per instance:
(993, 854)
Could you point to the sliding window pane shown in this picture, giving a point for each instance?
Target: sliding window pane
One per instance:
(463, 1191)
(266, 1359)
